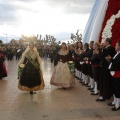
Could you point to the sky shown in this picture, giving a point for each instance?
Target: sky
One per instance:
(58, 18)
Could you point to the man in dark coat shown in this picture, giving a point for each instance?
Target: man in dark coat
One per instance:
(96, 69)
(114, 68)
(89, 55)
(84, 66)
(105, 80)
(9, 53)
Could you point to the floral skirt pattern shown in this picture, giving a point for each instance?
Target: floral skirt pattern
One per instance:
(62, 76)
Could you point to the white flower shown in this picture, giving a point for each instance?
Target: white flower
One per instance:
(107, 30)
(70, 61)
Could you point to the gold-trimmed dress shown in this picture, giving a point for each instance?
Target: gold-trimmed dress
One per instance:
(30, 76)
(62, 75)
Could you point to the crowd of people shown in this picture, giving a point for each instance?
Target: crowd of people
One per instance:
(97, 66)
(10, 51)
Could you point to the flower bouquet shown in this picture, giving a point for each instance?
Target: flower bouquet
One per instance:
(20, 70)
(71, 66)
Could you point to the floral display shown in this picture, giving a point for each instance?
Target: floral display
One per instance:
(111, 24)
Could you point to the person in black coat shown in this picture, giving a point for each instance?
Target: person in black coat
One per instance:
(9, 53)
(90, 73)
(96, 69)
(73, 53)
(105, 80)
(84, 66)
(114, 68)
(78, 74)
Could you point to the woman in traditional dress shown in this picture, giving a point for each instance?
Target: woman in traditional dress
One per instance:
(63, 74)
(29, 70)
(3, 71)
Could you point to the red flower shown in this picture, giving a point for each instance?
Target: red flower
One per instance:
(113, 8)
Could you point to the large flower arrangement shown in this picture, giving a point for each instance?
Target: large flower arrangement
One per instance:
(111, 24)
(107, 32)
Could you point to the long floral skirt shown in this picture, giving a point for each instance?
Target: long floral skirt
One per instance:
(62, 76)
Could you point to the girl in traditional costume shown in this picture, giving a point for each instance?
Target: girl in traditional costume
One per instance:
(29, 70)
(3, 71)
(63, 74)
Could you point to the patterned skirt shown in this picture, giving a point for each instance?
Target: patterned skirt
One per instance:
(62, 76)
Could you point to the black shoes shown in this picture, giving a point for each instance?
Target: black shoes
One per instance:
(94, 93)
(110, 104)
(84, 84)
(115, 109)
(100, 100)
(80, 81)
(90, 89)
(64, 88)
(31, 92)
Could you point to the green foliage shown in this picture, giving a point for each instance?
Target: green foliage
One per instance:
(1, 42)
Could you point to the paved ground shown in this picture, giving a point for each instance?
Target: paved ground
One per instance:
(52, 103)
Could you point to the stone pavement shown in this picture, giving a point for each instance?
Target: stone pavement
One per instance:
(52, 103)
